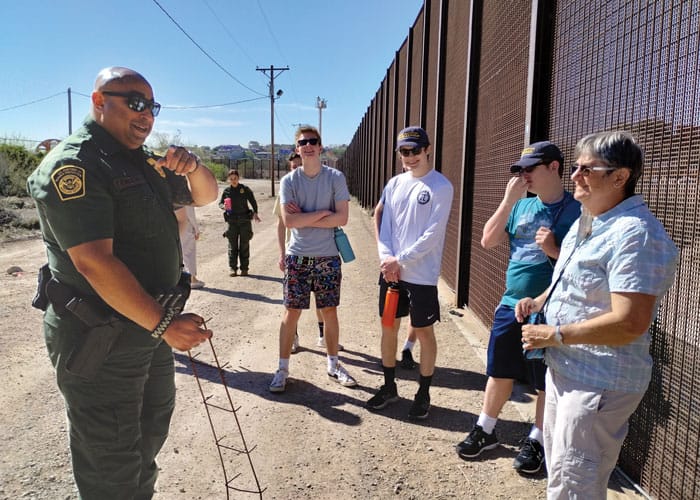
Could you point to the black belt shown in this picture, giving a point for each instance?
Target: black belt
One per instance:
(91, 309)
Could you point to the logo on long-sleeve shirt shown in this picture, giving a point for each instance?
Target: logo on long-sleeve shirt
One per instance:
(424, 197)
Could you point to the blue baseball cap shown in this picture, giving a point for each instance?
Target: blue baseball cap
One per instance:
(536, 153)
(413, 137)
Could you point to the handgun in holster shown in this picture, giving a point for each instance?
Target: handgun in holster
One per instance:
(96, 315)
(102, 334)
(104, 329)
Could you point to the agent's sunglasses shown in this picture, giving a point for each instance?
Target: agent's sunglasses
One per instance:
(136, 102)
(586, 170)
(410, 152)
(304, 142)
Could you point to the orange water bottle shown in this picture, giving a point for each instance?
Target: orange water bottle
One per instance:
(391, 303)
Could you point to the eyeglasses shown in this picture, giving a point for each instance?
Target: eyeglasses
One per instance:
(304, 142)
(410, 152)
(586, 170)
(136, 102)
(529, 169)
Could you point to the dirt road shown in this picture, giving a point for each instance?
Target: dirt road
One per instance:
(314, 441)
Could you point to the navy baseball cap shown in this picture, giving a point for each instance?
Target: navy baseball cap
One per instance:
(413, 137)
(536, 153)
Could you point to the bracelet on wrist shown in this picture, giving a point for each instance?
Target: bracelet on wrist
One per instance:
(164, 323)
(557, 335)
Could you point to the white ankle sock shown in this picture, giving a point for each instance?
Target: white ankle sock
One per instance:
(284, 364)
(487, 423)
(332, 363)
(408, 345)
(536, 433)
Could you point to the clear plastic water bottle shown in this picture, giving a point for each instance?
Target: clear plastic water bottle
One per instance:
(343, 244)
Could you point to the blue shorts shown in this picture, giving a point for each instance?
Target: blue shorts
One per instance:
(505, 358)
(420, 301)
(303, 275)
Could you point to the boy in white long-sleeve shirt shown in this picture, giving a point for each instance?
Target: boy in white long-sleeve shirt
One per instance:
(411, 239)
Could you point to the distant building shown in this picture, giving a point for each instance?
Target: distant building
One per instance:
(228, 152)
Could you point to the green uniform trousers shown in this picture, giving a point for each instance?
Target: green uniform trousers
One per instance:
(239, 234)
(118, 421)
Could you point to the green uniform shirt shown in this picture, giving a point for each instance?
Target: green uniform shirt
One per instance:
(240, 196)
(90, 187)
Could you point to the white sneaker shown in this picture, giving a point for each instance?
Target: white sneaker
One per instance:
(342, 376)
(295, 344)
(195, 283)
(279, 381)
(321, 342)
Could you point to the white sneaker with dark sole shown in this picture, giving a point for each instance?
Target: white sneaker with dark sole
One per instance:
(342, 376)
(279, 381)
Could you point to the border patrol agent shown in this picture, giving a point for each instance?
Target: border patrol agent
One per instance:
(238, 217)
(106, 211)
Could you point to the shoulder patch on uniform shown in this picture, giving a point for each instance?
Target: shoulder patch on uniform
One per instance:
(69, 182)
(152, 162)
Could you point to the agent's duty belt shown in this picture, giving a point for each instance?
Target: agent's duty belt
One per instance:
(102, 322)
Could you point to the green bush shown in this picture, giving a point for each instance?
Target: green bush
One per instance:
(16, 163)
(218, 169)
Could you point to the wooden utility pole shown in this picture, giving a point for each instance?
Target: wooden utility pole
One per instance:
(273, 96)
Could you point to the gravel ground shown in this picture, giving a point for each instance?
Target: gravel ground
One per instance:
(314, 441)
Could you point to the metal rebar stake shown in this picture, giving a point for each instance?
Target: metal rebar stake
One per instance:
(218, 440)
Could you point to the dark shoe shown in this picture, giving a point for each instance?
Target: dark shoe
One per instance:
(233, 272)
(244, 272)
(530, 458)
(476, 442)
(407, 362)
(385, 396)
(420, 407)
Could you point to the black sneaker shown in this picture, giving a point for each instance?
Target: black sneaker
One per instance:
(476, 442)
(530, 458)
(407, 362)
(420, 407)
(384, 396)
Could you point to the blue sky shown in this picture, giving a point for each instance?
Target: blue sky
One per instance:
(336, 49)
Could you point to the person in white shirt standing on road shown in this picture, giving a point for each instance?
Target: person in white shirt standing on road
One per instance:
(411, 239)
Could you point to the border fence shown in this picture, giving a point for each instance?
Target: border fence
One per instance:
(485, 78)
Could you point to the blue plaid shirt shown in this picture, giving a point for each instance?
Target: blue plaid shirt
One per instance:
(628, 250)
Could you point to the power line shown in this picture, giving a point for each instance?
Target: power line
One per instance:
(204, 51)
(34, 102)
(269, 28)
(213, 105)
(201, 106)
(228, 32)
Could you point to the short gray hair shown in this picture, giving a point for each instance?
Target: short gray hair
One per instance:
(618, 149)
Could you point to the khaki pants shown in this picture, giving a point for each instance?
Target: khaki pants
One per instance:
(584, 428)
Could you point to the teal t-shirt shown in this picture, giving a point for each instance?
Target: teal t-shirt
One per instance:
(529, 270)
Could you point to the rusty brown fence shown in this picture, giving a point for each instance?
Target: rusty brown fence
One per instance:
(484, 78)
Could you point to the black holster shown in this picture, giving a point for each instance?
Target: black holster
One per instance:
(100, 320)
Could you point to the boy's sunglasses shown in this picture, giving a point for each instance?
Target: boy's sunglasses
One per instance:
(136, 102)
(304, 142)
(412, 151)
